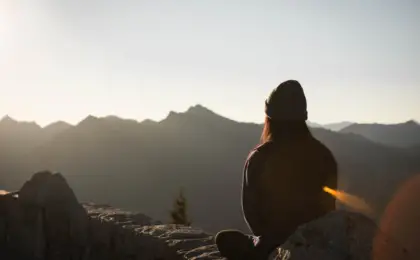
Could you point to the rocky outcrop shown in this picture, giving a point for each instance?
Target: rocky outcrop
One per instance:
(118, 234)
(341, 235)
(45, 221)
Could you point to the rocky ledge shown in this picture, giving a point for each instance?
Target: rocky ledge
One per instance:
(135, 236)
(44, 220)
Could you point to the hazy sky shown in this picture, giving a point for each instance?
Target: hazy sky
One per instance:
(65, 59)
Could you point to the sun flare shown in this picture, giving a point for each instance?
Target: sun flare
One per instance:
(352, 201)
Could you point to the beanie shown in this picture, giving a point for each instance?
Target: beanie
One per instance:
(287, 102)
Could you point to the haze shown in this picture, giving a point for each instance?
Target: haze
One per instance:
(62, 60)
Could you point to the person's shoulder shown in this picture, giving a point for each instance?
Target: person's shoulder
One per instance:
(265, 147)
(260, 151)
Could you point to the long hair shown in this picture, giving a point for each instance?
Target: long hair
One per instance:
(284, 130)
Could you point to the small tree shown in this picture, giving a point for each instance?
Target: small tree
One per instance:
(179, 212)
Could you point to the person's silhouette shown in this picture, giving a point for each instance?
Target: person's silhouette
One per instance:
(283, 178)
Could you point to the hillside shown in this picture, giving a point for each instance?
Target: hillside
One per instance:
(141, 166)
(314, 125)
(401, 135)
(337, 126)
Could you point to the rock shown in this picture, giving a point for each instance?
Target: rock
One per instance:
(118, 216)
(7, 204)
(340, 235)
(203, 253)
(49, 222)
(120, 234)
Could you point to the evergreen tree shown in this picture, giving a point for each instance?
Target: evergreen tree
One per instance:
(179, 212)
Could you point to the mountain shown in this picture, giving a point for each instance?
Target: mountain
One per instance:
(337, 126)
(400, 135)
(17, 140)
(314, 125)
(142, 165)
(11, 127)
(332, 126)
(56, 128)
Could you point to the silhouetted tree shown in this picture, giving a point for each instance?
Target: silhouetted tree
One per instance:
(179, 212)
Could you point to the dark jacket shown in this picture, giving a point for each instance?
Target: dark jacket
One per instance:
(283, 186)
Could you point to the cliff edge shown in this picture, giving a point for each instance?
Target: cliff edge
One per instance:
(44, 220)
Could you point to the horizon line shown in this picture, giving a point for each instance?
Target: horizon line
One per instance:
(186, 111)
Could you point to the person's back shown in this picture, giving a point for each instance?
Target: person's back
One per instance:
(283, 178)
(292, 177)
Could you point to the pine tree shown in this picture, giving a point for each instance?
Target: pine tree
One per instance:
(179, 213)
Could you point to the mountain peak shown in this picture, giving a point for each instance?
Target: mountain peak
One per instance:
(88, 120)
(199, 110)
(113, 117)
(148, 122)
(58, 123)
(90, 117)
(10, 122)
(57, 127)
(411, 123)
(117, 119)
(7, 119)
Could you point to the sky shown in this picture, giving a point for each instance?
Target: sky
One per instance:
(65, 59)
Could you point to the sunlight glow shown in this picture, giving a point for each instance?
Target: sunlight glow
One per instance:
(3, 192)
(351, 201)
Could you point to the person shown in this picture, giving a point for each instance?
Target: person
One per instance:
(283, 179)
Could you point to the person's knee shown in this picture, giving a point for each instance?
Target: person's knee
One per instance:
(233, 238)
(226, 235)
(235, 245)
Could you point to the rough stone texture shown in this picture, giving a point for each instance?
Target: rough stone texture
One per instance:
(341, 235)
(47, 222)
(117, 234)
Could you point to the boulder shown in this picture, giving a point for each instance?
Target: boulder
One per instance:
(7, 204)
(340, 235)
(48, 222)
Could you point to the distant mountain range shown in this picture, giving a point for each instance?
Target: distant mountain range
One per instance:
(337, 126)
(142, 165)
(401, 135)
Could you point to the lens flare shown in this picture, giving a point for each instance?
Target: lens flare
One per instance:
(352, 201)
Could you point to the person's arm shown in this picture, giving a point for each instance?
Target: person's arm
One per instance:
(251, 193)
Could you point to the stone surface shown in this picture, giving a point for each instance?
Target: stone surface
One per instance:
(47, 222)
(118, 234)
(341, 235)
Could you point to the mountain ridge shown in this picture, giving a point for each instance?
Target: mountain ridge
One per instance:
(140, 166)
(338, 125)
(404, 134)
(199, 109)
